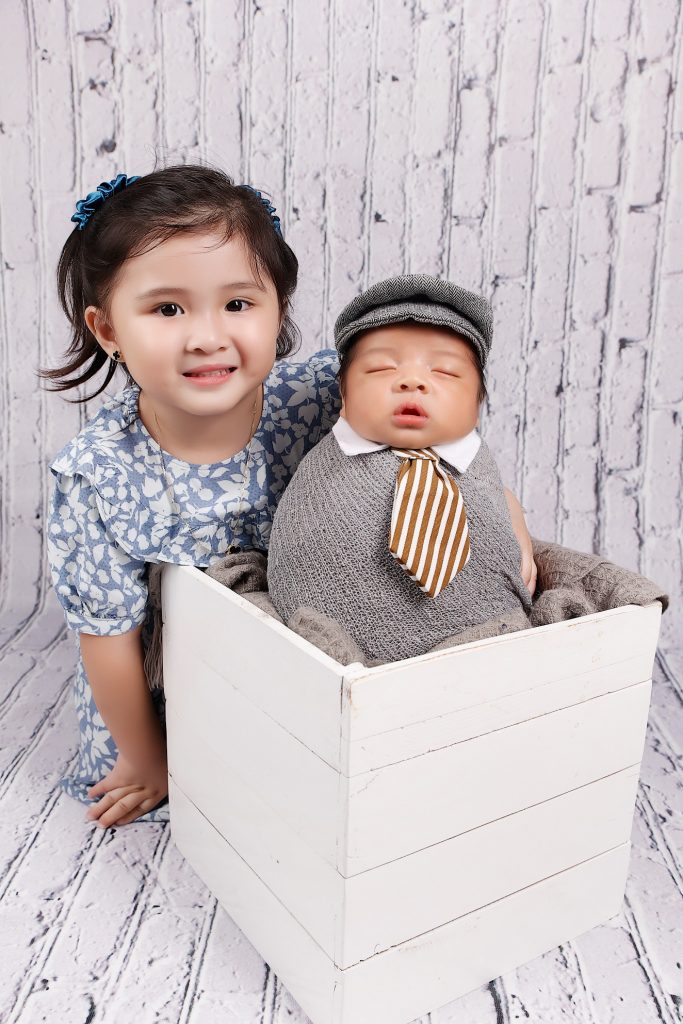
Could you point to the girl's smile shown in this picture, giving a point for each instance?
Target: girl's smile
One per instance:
(208, 375)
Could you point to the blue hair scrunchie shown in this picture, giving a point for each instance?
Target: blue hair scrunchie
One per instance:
(86, 207)
(269, 207)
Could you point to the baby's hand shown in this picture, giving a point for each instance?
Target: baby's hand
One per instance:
(127, 792)
(528, 566)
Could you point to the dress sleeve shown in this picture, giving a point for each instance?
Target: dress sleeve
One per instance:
(324, 366)
(102, 589)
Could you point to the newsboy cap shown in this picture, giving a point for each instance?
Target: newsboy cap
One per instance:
(424, 299)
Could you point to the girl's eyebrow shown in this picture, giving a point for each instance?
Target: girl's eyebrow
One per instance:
(155, 293)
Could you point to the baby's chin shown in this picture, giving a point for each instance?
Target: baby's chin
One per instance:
(417, 436)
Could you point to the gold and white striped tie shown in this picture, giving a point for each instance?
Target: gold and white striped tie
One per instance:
(429, 534)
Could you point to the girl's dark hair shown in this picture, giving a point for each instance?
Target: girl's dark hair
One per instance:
(180, 199)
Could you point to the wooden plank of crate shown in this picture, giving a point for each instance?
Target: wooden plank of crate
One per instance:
(411, 896)
(294, 781)
(434, 685)
(221, 783)
(408, 806)
(436, 885)
(299, 962)
(378, 751)
(409, 980)
(290, 679)
(310, 888)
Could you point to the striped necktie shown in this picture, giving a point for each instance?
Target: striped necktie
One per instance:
(429, 534)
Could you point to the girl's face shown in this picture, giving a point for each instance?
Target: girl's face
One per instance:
(195, 328)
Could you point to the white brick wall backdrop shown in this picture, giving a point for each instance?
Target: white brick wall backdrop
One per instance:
(532, 149)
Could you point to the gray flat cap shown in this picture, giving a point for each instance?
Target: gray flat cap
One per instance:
(424, 299)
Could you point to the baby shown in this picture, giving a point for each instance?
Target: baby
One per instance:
(396, 525)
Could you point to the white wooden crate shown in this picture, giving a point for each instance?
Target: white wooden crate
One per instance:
(390, 838)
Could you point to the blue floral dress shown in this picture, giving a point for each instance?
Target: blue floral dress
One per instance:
(120, 503)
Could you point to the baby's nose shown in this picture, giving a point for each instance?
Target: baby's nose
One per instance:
(413, 382)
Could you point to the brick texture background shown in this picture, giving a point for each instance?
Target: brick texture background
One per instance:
(532, 149)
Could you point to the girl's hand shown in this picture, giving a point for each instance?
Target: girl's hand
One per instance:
(137, 782)
(528, 566)
(127, 792)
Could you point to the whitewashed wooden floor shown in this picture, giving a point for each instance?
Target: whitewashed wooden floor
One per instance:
(114, 926)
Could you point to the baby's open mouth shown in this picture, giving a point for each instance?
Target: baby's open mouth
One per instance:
(411, 409)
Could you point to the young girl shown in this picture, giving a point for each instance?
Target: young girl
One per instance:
(183, 279)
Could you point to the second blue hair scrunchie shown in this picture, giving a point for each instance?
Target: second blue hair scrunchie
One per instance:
(269, 207)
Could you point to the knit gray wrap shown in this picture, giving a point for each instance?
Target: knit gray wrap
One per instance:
(329, 551)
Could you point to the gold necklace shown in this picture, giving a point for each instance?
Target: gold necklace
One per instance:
(233, 549)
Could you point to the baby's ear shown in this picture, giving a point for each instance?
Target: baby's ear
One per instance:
(97, 324)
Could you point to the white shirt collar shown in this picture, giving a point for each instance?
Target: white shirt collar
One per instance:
(458, 453)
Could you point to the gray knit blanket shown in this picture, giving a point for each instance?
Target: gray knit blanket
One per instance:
(570, 584)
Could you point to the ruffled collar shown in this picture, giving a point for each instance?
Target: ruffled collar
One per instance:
(120, 416)
(155, 506)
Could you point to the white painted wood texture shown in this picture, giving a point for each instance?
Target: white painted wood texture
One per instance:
(422, 836)
(280, 938)
(395, 712)
(424, 800)
(454, 877)
(388, 815)
(352, 919)
(423, 974)
(294, 871)
(419, 975)
(309, 680)
(281, 770)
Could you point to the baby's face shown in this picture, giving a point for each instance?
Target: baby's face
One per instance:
(411, 386)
